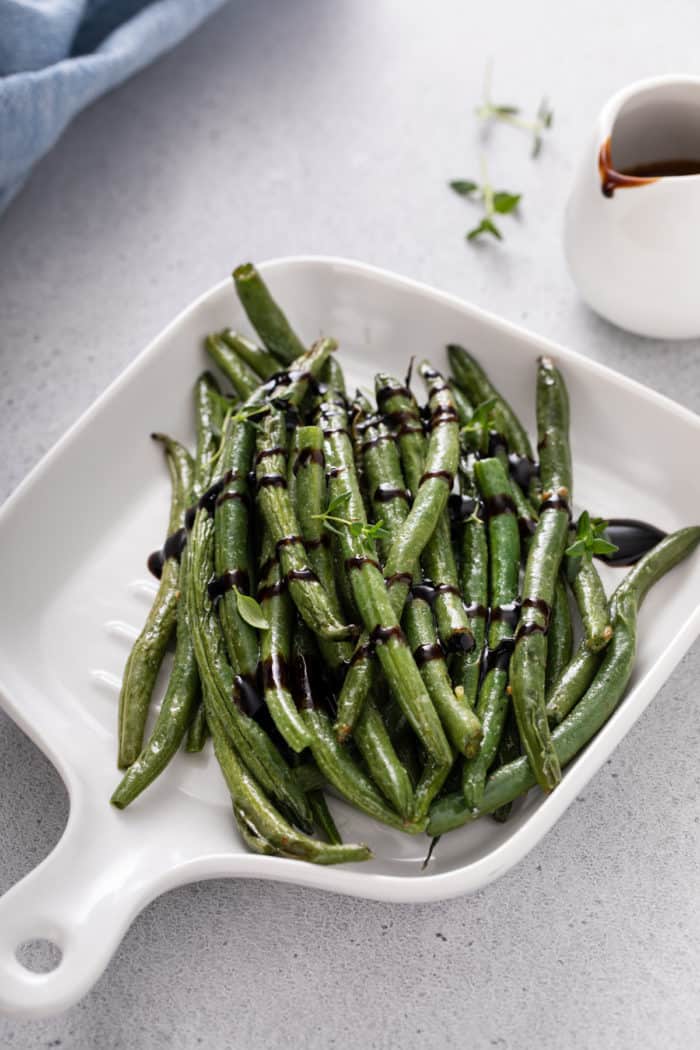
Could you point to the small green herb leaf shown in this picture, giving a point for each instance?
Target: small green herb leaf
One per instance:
(603, 547)
(577, 549)
(375, 531)
(504, 202)
(491, 111)
(464, 187)
(485, 226)
(482, 413)
(590, 538)
(544, 114)
(338, 502)
(251, 611)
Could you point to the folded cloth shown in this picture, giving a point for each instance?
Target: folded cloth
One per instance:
(57, 57)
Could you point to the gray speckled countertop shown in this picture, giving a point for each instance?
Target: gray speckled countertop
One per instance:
(284, 128)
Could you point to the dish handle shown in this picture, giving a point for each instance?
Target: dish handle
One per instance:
(81, 899)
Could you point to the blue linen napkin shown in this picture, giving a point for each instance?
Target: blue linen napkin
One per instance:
(57, 57)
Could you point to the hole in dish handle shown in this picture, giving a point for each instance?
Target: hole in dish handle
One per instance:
(81, 900)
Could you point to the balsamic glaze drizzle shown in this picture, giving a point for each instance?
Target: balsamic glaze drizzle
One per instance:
(272, 589)
(529, 628)
(387, 392)
(385, 492)
(381, 635)
(498, 659)
(428, 591)
(476, 612)
(218, 586)
(275, 672)
(556, 502)
(246, 696)
(430, 651)
(509, 613)
(443, 474)
(461, 507)
(358, 561)
(264, 453)
(499, 504)
(309, 455)
(633, 539)
(272, 481)
(399, 577)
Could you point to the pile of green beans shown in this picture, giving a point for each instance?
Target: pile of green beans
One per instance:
(375, 598)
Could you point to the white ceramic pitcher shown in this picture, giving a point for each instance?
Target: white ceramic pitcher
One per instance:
(633, 243)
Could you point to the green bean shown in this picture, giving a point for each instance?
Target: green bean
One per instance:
(265, 315)
(309, 776)
(198, 731)
(504, 576)
(290, 386)
(280, 518)
(183, 685)
(384, 766)
(477, 386)
(263, 363)
(276, 644)
(225, 694)
(527, 670)
(173, 719)
(209, 415)
(572, 683)
(252, 838)
(375, 605)
(361, 411)
(346, 777)
(306, 484)
(241, 376)
(408, 542)
(438, 558)
(149, 648)
(526, 513)
(265, 825)
(601, 698)
(389, 497)
(462, 726)
(508, 751)
(211, 408)
(323, 818)
(429, 786)
(390, 502)
(560, 636)
(232, 525)
(306, 478)
(462, 403)
(590, 598)
(333, 375)
(473, 584)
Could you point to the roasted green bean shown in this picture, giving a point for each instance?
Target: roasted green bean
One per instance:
(265, 315)
(263, 363)
(149, 649)
(560, 636)
(600, 700)
(241, 376)
(504, 574)
(265, 825)
(527, 671)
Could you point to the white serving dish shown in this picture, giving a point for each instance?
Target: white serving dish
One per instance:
(73, 541)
